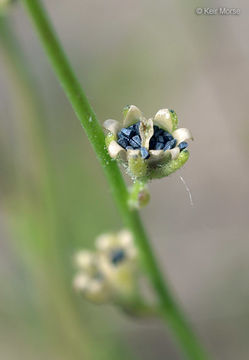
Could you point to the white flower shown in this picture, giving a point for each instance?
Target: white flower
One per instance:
(89, 281)
(118, 261)
(110, 272)
(145, 146)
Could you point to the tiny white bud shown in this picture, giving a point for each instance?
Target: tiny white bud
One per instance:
(80, 282)
(84, 259)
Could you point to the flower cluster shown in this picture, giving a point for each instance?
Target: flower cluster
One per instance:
(148, 148)
(110, 272)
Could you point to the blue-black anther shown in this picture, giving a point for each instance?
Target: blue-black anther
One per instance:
(152, 143)
(127, 132)
(144, 153)
(137, 139)
(161, 139)
(117, 256)
(157, 131)
(134, 144)
(183, 145)
(170, 145)
(167, 136)
(159, 146)
(122, 141)
(136, 127)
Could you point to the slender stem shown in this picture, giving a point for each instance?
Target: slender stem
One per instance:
(170, 310)
(139, 195)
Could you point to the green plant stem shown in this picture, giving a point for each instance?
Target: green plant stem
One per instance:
(138, 195)
(170, 310)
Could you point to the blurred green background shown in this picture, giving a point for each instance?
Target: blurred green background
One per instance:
(55, 200)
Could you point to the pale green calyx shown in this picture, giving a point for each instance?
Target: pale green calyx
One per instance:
(148, 148)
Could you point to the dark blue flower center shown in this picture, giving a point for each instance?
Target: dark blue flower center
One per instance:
(129, 138)
(161, 140)
(117, 256)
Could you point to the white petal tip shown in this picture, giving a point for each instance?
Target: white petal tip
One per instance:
(163, 119)
(111, 125)
(80, 282)
(84, 259)
(125, 237)
(182, 134)
(174, 153)
(132, 114)
(103, 242)
(115, 149)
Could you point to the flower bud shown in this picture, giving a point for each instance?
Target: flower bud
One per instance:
(118, 262)
(89, 280)
(110, 272)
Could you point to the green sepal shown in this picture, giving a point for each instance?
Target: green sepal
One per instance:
(126, 109)
(137, 167)
(109, 138)
(169, 167)
(174, 120)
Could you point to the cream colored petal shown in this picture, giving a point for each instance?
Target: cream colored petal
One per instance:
(132, 115)
(158, 156)
(125, 238)
(161, 155)
(112, 125)
(105, 242)
(81, 282)
(95, 287)
(182, 134)
(174, 152)
(84, 259)
(133, 153)
(97, 292)
(146, 132)
(163, 119)
(156, 153)
(115, 149)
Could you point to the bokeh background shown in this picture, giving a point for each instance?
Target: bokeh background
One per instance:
(55, 200)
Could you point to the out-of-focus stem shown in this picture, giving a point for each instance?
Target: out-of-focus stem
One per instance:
(30, 114)
(171, 313)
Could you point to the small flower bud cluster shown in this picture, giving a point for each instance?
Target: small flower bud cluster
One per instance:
(110, 272)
